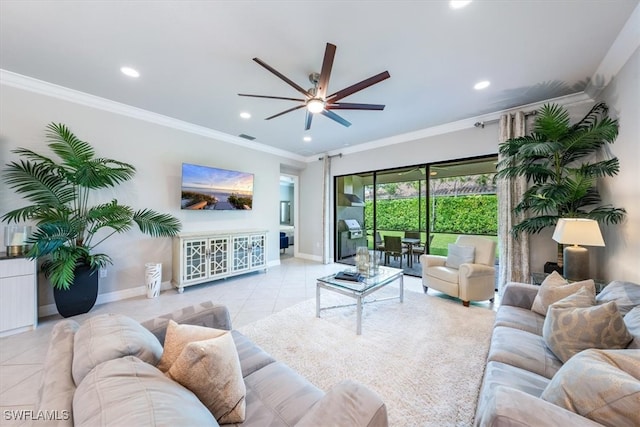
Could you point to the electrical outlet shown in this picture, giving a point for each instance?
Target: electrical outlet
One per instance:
(103, 273)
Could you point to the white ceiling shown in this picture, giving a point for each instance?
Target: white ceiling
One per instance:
(196, 56)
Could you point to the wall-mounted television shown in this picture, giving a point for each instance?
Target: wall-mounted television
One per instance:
(208, 188)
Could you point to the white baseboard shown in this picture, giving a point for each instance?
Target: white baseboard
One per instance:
(317, 258)
(50, 309)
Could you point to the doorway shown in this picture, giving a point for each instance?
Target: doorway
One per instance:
(287, 214)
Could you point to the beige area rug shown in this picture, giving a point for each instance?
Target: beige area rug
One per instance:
(424, 357)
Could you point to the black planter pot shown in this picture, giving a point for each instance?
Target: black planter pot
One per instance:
(81, 296)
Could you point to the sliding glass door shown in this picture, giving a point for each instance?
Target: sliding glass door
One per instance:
(417, 209)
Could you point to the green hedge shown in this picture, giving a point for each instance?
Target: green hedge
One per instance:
(476, 214)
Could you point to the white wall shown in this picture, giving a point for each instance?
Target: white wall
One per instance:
(157, 152)
(621, 255)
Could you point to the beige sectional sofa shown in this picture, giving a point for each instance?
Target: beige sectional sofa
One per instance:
(526, 384)
(103, 373)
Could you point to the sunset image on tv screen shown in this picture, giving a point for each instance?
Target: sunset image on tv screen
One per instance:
(207, 188)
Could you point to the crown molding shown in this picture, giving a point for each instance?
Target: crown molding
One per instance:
(41, 87)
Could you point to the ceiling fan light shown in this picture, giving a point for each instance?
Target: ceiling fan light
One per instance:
(315, 105)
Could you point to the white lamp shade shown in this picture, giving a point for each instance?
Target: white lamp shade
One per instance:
(578, 231)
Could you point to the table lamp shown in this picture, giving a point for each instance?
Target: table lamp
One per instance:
(574, 232)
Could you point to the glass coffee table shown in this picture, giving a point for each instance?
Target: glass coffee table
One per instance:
(359, 290)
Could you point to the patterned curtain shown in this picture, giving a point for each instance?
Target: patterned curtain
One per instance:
(513, 253)
(326, 212)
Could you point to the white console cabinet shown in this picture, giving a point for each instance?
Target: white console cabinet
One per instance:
(18, 295)
(203, 257)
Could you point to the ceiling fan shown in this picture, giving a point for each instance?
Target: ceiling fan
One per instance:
(316, 99)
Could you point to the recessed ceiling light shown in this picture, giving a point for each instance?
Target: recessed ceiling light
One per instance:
(245, 115)
(482, 85)
(307, 138)
(128, 71)
(458, 4)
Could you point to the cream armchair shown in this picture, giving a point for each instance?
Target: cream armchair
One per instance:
(471, 281)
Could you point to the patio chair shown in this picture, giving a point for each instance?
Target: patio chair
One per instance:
(393, 247)
(379, 245)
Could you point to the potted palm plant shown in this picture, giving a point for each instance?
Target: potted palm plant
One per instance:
(560, 164)
(68, 228)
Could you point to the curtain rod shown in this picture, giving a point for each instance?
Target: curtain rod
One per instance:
(331, 157)
(481, 124)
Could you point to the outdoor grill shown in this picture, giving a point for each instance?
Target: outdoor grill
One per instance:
(351, 228)
(350, 236)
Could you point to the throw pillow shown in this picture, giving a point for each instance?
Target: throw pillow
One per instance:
(553, 288)
(602, 385)
(129, 392)
(625, 294)
(632, 321)
(178, 336)
(211, 370)
(111, 336)
(458, 254)
(573, 324)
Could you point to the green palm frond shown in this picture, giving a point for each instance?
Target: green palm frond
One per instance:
(607, 214)
(101, 173)
(67, 146)
(552, 121)
(110, 215)
(534, 225)
(156, 224)
(39, 183)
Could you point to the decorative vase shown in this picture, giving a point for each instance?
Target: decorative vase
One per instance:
(362, 259)
(153, 278)
(81, 296)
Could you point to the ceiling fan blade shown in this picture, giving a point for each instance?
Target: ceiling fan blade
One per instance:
(272, 97)
(352, 106)
(283, 77)
(358, 87)
(307, 120)
(285, 112)
(325, 72)
(333, 116)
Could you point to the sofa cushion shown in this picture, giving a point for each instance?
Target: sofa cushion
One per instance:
(459, 254)
(626, 295)
(553, 288)
(211, 370)
(57, 388)
(602, 385)
(523, 350)
(129, 392)
(205, 313)
(573, 324)
(632, 321)
(251, 356)
(178, 336)
(347, 404)
(500, 374)
(519, 318)
(281, 405)
(109, 336)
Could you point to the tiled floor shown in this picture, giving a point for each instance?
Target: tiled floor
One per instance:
(249, 298)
